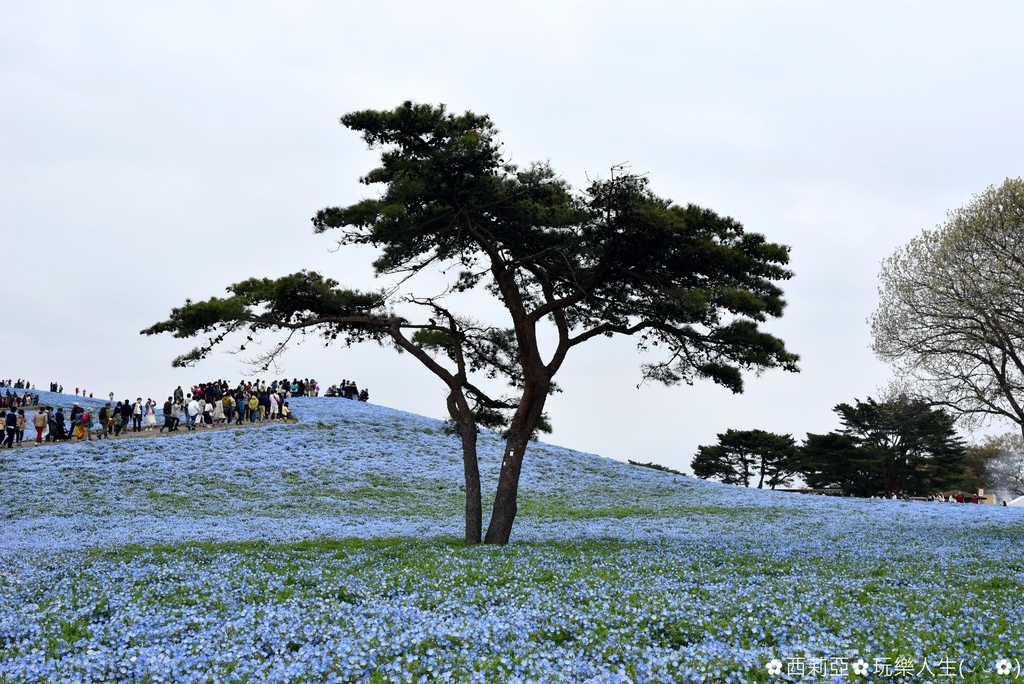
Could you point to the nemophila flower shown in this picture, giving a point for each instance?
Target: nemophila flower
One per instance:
(680, 581)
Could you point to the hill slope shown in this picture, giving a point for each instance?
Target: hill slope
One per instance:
(351, 469)
(326, 551)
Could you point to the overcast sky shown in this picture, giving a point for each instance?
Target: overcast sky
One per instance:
(153, 152)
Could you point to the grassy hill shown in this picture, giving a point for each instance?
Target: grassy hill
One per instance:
(328, 551)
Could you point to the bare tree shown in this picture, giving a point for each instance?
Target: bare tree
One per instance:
(951, 311)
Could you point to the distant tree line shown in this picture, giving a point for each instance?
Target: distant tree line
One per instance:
(902, 446)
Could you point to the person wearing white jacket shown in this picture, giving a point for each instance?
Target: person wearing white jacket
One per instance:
(193, 411)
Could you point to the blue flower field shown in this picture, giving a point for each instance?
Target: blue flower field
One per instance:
(329, 551)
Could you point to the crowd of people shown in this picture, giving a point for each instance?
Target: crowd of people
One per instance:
(216, 403)
(348, 390)
(12, 400)
(205, 405)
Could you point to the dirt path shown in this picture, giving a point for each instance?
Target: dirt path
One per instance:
(150, 433)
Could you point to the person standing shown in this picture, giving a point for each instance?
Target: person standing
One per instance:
(179, 412)
(275, 405)
(150, 414)
(40, 421)
(137, 415)
(193, 411)
(228, 404)
(264, 405)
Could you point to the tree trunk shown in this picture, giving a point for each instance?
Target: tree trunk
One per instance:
(471, 471)
(474, 509)
(463, 417)
(505, 508)
(531, 406)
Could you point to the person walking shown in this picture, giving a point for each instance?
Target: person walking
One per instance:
(22, 423)
(168, 408)
(106, 422)
(126, 414)
(10, 421)
(40, 421)
(75, 410)
(86, 424)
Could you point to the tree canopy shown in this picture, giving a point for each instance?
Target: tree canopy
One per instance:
(744, 455)
(902, 446)
(613, 259)
(951, 311)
